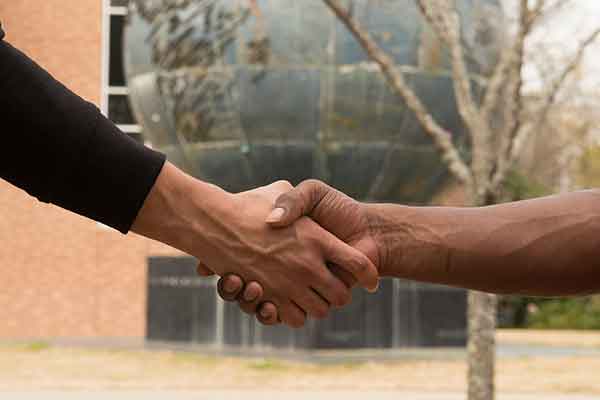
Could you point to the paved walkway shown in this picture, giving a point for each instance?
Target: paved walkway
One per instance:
(279, 395)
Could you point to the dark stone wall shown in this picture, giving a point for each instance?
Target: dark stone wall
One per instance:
(185, 307)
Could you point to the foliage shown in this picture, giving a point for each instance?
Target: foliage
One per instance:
(521, 187)
(589, 168)
(580, 313)
(37, 346)
(541, 313)
(267, 365)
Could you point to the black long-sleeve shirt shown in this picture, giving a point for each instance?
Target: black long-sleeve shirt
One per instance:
(62, 150)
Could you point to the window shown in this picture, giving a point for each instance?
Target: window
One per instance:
(115, 102)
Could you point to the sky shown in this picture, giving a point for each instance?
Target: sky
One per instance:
(562, 34)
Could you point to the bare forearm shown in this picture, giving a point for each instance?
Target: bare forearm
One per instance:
(179, 211)
(548, 246)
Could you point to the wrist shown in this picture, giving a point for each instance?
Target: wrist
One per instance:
(408, 241)
(178, 210)
(380, 228)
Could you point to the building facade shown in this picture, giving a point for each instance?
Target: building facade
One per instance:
(63, 275)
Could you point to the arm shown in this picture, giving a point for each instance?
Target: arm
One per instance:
(547, 247)
(60, 149)
(66, 153)
(227, 232)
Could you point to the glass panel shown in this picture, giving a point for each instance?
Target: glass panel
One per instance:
(116, 74)
(119, 3)
(119, 110)
(243, 93)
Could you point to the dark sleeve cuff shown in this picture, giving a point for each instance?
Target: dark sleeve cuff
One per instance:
(62, 150)
(113, 178)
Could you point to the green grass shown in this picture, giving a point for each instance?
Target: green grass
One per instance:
(37, 346)
(268, 365)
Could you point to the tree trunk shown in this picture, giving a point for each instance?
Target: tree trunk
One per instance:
(481, 347)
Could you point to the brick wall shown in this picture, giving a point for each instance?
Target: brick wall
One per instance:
(62, 275)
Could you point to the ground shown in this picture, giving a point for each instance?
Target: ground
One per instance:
(571, 371)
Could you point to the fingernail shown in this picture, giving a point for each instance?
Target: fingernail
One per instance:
(276, 215)
(265, 313)
(230, 286)
(250, 296)
(374, 290)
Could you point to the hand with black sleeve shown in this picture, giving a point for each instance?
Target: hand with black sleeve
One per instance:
(62, 150)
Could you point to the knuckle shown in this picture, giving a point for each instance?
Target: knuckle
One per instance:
(312, 183)
(360, 266)
(283, 184)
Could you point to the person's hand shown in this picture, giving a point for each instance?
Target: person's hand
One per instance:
(229, 234)
(341, 215)
(291, 264)
(333, 210)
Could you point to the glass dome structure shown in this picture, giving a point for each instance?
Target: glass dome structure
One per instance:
(244, 92)
(241, 93)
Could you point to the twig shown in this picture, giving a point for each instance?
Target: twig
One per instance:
(546, 104)
(441, 137)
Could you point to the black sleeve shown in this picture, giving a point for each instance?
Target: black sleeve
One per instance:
(62, 150)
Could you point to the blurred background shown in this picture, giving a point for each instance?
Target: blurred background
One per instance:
(242, 93)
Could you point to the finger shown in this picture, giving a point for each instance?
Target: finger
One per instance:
(253, 292)
(334, 292)
(268, 314)
(292, 315)
(203, 270)
(312, 303)
(281, 186)
(352, 260)
(229, 287)
(250, 299)
(343, 275)
(298, 202)
(331, 289)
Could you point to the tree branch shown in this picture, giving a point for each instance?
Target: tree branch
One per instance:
(572, 66)
(443, 18)
(511, 60)
(541, 12)
(512, 111)
(546, 104)
(441, 137)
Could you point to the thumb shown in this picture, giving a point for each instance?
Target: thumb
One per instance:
(298, 202)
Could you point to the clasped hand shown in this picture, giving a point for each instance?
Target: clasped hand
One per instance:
(285, 266)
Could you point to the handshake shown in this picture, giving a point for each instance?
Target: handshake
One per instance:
(285, 253)
(299, 253)
(290, 253)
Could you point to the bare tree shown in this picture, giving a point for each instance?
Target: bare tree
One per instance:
(497, 126)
